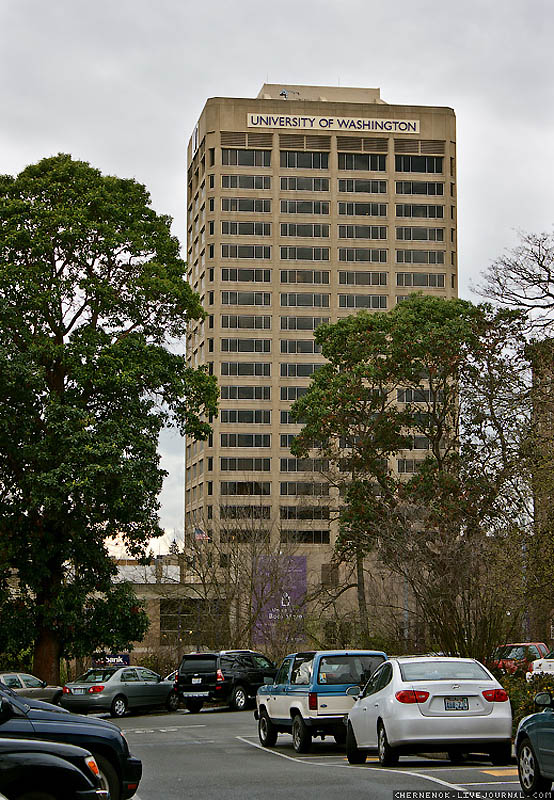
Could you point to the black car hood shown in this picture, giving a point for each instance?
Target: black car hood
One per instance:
(74, 719)
(40, 746)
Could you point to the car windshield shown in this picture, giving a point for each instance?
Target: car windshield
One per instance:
(95, 676)
(511, 651)
(443, 671)
(351, 669)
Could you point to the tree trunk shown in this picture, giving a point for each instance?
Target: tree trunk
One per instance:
(362, 605)
(46, 657)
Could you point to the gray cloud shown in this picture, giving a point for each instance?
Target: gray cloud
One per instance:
(121, 84)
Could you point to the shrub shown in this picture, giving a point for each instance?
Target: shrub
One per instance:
(522, 692)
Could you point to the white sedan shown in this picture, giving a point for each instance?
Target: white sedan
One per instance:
(541, 666)
(430, 704)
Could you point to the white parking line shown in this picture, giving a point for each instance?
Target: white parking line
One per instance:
(453, 786)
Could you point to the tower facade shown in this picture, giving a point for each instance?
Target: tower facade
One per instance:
(305, 204)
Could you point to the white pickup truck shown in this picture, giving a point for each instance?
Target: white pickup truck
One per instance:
(308, 697)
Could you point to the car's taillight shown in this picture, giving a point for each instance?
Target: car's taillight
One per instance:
(65, 690)
(495, 695)
(219, 676)
(312, 701)
(96, 689)
(530, 667)
(411, 696)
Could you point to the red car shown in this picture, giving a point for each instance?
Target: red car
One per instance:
(510, 657)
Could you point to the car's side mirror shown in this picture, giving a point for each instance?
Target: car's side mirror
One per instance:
(6, 710)
(44, 684)
(158, 678)
(268, 680)
(543, 700)
(353, 691)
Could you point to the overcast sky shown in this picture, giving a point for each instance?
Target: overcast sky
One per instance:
(121, 83)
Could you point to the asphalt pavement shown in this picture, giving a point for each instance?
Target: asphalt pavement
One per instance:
(216, 755)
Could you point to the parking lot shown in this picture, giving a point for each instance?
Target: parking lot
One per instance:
(216, 754)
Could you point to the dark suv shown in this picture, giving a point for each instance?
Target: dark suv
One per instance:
(230, 676)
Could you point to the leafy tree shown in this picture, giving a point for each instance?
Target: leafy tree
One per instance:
(92, 290)
(447, 379)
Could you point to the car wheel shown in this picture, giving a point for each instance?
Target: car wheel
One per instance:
(353, 752)
(172, 702)
(501, 754)
(119, 706)
(301, 736)
(388, 757)
(194, 706)
(109, 780)
(56, 699)
(239, 699)
(267, 732)
(339, 734)
(530, 777)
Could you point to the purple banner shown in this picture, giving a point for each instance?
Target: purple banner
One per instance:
(279, 599)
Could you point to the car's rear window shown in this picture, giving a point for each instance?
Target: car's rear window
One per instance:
(350, 669)
(443, 671)
(95, 676)
(197, 664)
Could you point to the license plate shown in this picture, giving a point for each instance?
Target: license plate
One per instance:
(79, 691)
(197, 680)
(194, 694)
(456, 704)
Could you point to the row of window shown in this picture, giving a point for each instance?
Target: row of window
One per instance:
(300, 159)
(310, 276)
(322, 254)
(321, 231)
(263, 488)
(292, 393)
(253, 322)
(246, 464)
(308, 184)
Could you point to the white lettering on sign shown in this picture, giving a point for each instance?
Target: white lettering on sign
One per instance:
(289, 121)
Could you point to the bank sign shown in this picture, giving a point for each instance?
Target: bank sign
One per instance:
(291, 122)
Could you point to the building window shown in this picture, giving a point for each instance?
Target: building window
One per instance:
(304, 465)
(302, 323)
(245, 182)
(298, 159)
(308, 513)
(256, 416)
(245, 298)
(362, 254)
(245, 439)
(363, 209)
(408, 465)
(246, 322)
(418, 163)
(245, 368)
(250, 488)
(420, 257)
(307, 300)
(363, 278)
(253, 204)
(246, 228)
(362, 301)
(421, 211)
(292, 393)
(304, 207)
(304, 276)
(305, 537)
(245, 464)
(245, 512)
(362, 161)
(286, 440)
(245, 158)
(362, 232)
(305, 185)
(420, 234)
(293, 346)
(305, 253)
(246, 275)
(246, 392)
(362, 186)
(304, 489)
(299, 370)
(287, 418)
(304, 229)
(246, 345)
(423, 279)
(245, 251)
(419, 187)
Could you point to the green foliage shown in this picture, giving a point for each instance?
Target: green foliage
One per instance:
(522, 692)
(91, 291)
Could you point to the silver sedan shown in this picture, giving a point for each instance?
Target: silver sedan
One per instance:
(426, 704)
(118, 689)
(28, 686)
